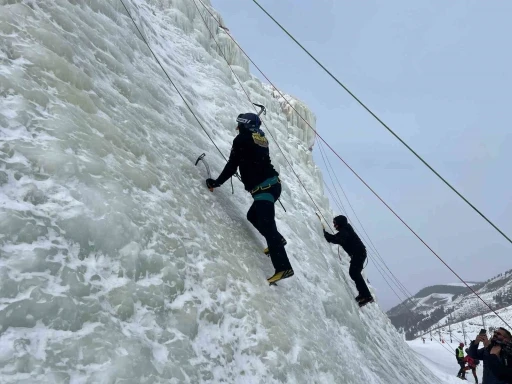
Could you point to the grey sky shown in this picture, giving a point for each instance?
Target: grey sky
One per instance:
(439, 74)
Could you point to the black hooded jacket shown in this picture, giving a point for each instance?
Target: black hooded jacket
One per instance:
(492, 365)
(348, 239)
(249, 153)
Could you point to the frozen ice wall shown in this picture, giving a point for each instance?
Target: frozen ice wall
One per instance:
(298, 114)
(117, 265)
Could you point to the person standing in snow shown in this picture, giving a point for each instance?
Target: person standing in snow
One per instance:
(489, 354)
(250, 153)
(459, 355)
(352, 244)
(472, 363)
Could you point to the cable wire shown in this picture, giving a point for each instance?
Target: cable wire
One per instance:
(383, 124)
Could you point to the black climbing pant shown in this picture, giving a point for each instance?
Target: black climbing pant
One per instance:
(462, 370)
(262, 216)
(356, 267)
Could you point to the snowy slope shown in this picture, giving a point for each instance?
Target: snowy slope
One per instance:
(464, 331)
(116, 263)
(434, 306)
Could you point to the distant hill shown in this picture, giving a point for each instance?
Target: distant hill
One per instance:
(432, 306)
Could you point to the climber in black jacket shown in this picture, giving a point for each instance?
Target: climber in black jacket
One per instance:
(250, 154)
(352, 244)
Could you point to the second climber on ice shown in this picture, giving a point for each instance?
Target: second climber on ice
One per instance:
(352, 244)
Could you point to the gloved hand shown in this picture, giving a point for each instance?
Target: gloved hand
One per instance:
(210, 183)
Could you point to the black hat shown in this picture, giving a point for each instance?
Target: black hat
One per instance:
(340, 220)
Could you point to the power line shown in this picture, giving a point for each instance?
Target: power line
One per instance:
(383, 124)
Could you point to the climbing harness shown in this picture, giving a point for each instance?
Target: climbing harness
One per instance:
(266, 184)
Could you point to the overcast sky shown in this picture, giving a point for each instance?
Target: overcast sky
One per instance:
(436, 72)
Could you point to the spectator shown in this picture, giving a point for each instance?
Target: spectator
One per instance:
(489, 354)
(472, 363)
(500, 362)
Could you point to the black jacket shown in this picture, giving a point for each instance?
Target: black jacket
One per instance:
(348, 239)
(501, 368)
(490, 363)
(250, 153)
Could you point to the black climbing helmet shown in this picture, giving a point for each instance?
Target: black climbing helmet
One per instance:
(340, 221)
(248, 121)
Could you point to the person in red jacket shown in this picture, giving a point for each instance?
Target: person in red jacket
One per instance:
(472, 363)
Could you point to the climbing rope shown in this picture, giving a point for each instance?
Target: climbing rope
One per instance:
(170, 80)
(377, 256)
(249, 98)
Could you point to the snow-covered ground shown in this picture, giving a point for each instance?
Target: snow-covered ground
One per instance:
(467, 330)
(440, 359)
(461, 284)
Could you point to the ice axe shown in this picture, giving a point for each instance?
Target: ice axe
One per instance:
(201, 158)
(317, 215)
(262, 109)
